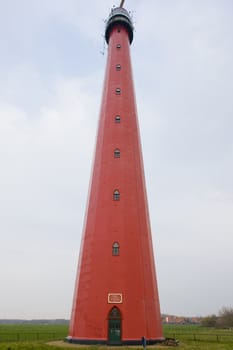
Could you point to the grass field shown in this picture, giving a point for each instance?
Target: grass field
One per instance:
(36, 337)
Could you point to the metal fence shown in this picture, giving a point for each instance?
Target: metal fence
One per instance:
(30, 336)
(47, 336)
(203, 337)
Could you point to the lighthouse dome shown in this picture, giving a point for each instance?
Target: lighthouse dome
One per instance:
(119, 15)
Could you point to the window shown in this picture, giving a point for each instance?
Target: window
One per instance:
(118, 91)
(119, 30)
(114, 313)
(117, 153)
(118, 67)
(115, 249)
(116, 195)
(117, 119)
(118, 46)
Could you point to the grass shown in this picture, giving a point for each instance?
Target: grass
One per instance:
(32, 333)
(196, 337)
(36, 337)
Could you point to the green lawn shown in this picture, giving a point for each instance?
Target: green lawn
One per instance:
(36, 337)
(30, 332)
(197, 337)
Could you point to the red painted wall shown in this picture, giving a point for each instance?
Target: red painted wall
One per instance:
(126, 221)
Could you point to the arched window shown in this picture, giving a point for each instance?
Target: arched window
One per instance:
(118, 91)
(116, 195)
(117, 119)
(115, 249)
(114, 313)
(117, 153)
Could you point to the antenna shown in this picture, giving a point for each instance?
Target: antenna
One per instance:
(122, 3)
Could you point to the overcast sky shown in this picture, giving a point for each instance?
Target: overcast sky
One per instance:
(51, 76)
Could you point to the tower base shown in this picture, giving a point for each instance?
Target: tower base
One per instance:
(107, 342)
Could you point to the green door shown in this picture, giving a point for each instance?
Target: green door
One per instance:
(114, 327)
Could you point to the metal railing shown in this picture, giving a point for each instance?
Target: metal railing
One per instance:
(30, 336)
(202, 337)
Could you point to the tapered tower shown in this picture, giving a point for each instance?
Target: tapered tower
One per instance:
(116, 296)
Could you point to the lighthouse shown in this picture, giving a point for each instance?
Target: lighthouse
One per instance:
(116, 297)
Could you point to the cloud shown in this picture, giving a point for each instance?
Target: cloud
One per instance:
(43, 192)
(184, 85)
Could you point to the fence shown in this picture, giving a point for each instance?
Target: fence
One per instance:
(202, 337)
(47, 336)
(30, 336)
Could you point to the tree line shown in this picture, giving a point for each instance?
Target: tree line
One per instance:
(223, 320)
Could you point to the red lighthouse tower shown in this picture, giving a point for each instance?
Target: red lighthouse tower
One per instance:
(116, 297)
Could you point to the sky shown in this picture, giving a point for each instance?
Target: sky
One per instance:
(51, 77)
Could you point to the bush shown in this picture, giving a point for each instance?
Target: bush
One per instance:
(209, 321)
(225, 319)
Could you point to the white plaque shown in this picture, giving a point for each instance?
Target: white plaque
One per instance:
(115, 298)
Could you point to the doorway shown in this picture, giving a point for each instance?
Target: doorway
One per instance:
(114, 326)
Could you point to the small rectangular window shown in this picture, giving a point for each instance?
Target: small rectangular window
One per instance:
(117, 153)
(117, 119)
(118, 46)
(115, 249)
(118, 91)
(118, 67)
(116, 195)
